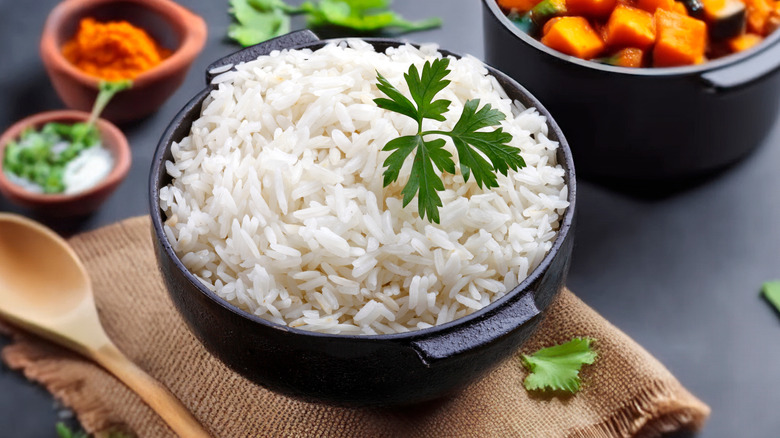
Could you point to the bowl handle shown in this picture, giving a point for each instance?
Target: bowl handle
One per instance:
(481, 332)
(746, 72)
(251, 53)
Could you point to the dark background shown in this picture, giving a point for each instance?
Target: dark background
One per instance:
(680, 274)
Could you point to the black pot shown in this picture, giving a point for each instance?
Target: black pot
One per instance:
(650, 124)
(358, 370)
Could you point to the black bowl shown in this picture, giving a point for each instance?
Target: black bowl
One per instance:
(645, 125)
(359, 370)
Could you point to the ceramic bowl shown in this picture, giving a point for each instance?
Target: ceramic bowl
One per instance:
(172, 26)
(394, 369)
(78, 204)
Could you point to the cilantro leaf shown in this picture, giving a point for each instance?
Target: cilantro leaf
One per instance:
(558, 367)
(474, 147)
(771, 291)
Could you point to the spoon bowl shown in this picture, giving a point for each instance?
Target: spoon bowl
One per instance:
(45, 289)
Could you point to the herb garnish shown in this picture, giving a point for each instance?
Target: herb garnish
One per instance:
(466, 135)
(40, 156)
(260, 20)
(771, 292)
(558, 367)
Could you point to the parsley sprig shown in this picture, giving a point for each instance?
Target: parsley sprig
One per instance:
(474, 146)
(558, 367)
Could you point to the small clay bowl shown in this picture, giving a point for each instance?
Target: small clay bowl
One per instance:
(78, 204)
(170, 25)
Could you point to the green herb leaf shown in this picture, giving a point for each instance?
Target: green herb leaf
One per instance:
(771, 292)
(424, 88)
(257, 20)
(470, 143)
(64, 432)
(558, 367)
(260, 20)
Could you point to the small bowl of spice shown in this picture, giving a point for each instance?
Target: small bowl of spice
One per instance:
(64, 163)
(152, 43)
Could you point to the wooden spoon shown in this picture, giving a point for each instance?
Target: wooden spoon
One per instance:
(45, 290)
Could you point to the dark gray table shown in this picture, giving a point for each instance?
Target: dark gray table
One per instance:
(680, 274)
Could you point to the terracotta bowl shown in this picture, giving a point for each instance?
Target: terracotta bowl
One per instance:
(78, 204)
(172, 26)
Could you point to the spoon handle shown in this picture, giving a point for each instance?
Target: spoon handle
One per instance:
(157, 396)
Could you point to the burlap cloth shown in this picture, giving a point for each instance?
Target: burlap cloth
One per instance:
(626, 392)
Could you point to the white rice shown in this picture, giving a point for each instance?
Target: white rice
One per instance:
(277, 202)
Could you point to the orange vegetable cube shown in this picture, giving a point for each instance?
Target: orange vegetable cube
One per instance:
(680, 40)
(518, 5)
(550, 24)
(651, 5)
(758, 15)
(591, 8)
(744, 42)
(574, 36)
(680, 8)
(630, 27)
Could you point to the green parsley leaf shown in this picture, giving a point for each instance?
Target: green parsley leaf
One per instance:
(771, 291)
(260, 20)
(470, 143)
(558, 367)
(64, 432)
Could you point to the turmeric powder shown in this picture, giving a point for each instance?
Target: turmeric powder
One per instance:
(113, 50)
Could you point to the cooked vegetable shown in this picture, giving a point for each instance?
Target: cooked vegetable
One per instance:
(470, 142)
(725, 18)
(535, 19)
(630, 57)
(758, 14)
(518, 5)
(680, 40)
(695, 8)
(744, 42)
(574, 36)
(558, 367)
(630, 27)
(679, 8)
(652, 5)
(591, 8)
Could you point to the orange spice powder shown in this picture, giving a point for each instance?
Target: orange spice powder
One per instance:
(113, 50)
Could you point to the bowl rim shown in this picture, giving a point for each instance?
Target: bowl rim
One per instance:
(192, 42)
(566, 222)
(119, 148)
(715, 64)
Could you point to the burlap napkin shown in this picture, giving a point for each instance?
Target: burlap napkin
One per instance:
(626, 392)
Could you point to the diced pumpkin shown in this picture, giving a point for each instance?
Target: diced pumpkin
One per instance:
(532, 21)
(518, 5)
(773, 23)
(651, 5)
(574, 36)
(591, 8)
(744, 42)
(630, 27)
(725, 18)
(680, 40)
(630, 57)
(680, 8)
(549, 24)
(758, 14)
